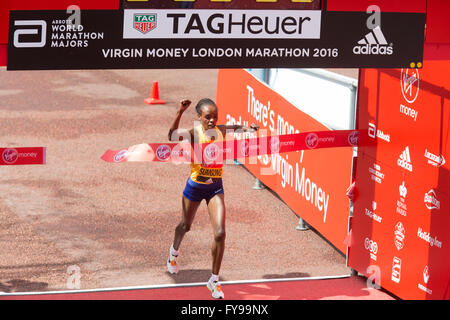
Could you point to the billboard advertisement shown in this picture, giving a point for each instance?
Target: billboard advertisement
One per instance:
(401, 217)
(312, 183)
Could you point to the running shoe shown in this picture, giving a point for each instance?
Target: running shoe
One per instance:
(172, 266)
(216, 289)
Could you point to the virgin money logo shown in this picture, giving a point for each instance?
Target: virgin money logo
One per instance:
(10, 156)
(275, 144)
(353, 138)
(245, 147)
(120, 155)
(409, 83)
(312, 140)
(211, 152)
(180, 155)
(163, 152)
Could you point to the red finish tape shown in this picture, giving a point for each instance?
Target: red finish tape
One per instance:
(22, 156)
(184, 152)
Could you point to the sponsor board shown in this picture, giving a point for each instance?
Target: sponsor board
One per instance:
(410, 106)
(218, 38)
(299, 178)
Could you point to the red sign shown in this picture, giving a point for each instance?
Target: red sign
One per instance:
(403, 180)
(313, 183)
(22, 156)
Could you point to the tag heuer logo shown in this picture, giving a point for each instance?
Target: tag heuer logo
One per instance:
(144, 22)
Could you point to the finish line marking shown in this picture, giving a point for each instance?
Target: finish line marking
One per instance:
(175, 285)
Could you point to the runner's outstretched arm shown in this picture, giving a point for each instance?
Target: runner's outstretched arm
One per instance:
(224, 128)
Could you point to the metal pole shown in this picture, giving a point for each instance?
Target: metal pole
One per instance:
(302, 225)
(258, 185)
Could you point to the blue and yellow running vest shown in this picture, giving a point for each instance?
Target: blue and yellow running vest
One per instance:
(208, 171)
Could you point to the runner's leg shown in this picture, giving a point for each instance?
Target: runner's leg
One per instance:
(216, 208)
(188, 214)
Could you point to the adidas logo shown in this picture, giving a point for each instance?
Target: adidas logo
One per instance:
(373, 43)
(404, 160)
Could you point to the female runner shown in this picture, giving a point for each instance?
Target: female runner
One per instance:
(204, 182)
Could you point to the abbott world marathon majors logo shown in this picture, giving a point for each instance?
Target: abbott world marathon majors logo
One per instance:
(373, 43)
(30, 33)
(62, 33)
(213, 24)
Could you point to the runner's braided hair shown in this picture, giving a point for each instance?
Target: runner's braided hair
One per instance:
(202, 102)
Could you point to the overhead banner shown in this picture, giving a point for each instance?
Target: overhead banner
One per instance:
(212, 38)
(222, 4)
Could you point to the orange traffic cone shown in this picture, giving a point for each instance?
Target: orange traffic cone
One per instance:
(154, 95)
